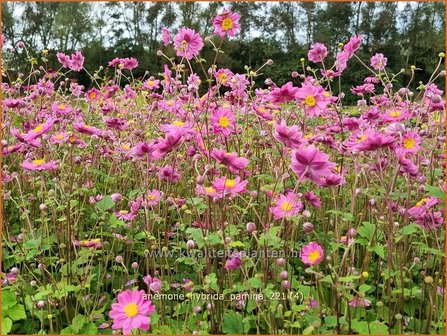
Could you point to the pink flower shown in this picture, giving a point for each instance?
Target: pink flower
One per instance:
(226, 23)
(313, 199)
(353, 45)
(92, 94)
(153, 197)
(76, 62)
(171, 141)
(153, 283)
(411, 142)
(39, 164)
(318, 53)
(371, 140)
(188, 43)
(230, 187)
(61, 108)
(231, 160)
(288, 136)
(234, 262)
(132, 311)
(63, 59)
(59, 137)
(223, 77)
(286, 206)
(312, 253)
(90, 243)
(168, 174)
(142, 149)
(129, 63)
(86, 129)
(358, 301)
(378, 62)
(341, 62)
(39, 130)
(314, 99)
(166, 36)
(151, 84)
(393, 115)
(311, 163)
(222, 121)
(286, 93)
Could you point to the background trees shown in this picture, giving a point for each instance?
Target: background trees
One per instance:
(406, 34)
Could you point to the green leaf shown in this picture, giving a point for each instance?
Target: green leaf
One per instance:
(6, 325)
(367, 230)
(89, 329)
(435, 191)
(115, 222)
(78, 322)
(378, 328)
(255, 282)
(410, 229)
(379, 250)
(308, 330)
(105, 204)
(8, 299)
(232, 323)
(17, 312)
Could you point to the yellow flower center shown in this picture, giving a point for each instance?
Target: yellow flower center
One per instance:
(92, 95)
(224, 122)
(314, 255)
(227, 24)
(286, 206)
(210, 190)
(422, 202)
(409, 143)
(150, 83)
(151, 197)
(327, 94)
(223, 78)
(131, 309)
(395, 114)
(39, 162)
(178, 123)
(310, 101)
(308, 135)
(261, 109)
(169, 103)
(38, 129)
(362, 138)
(61, 106)
(59, 136)
(126, 147)
(230, 183)
(123, 212)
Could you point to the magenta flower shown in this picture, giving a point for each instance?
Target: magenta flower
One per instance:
(286, 93)
(372, 140)
(168, 174)
(234, 262)
(226, 23)
(86, 129)
(153, 197)
(358, 301)
(311, 163)
(165, 36)
(143, 149)
(378, 62)
(231, 160)
(39, 130)
(61, 108)
(222, 121)
(230, 187)
(288, 136)
(411, 142)
(132, 311)
(353, 45)
(223, 76)
(393, 115)
(92, 94)
(313, 199)
(314, 99)
(39, 164)
(286, 206)
(341, 61)
(312, 253)
(129, 63)
(171, 141)
(63, 59)
(151, 84)
(153, 283)
(76, 62)
(188, 43)
(318, 53)
(59, 137)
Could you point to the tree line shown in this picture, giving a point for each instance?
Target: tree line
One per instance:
(408, 35)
